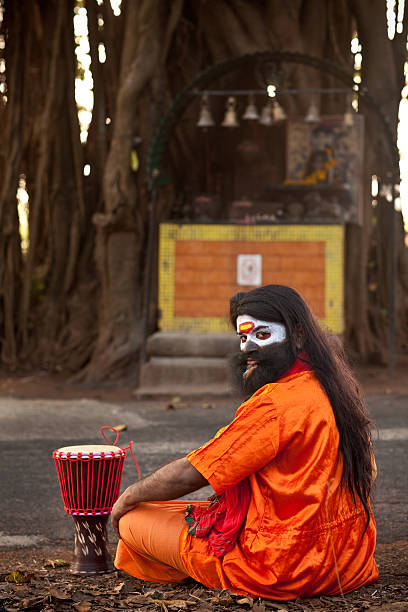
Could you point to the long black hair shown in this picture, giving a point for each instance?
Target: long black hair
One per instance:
(326, 356)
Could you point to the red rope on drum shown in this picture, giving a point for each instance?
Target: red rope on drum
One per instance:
(80, 463)
(88, 489)
(112, 429)
(98, 484)
(70, 490)
(100, 507)
(61, 479)
(109, 485)
(118, 469)
(129, 447)
(73, 481)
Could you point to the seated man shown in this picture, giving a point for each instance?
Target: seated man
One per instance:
(292, 473)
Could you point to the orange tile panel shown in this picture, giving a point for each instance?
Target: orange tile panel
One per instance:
(308, 278)
(221, 292)
(217, 248)
(205, 273)
(205, 262)
(270, 264)
(215, 281)
(185, 291)
(272, 275)
(203, 247)
(312, 262)
(202, 308)
(229, 262)
(194, 305)
(216, 291)
(210, 277)
(315, 293)
(295, 261)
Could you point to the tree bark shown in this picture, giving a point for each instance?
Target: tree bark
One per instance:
(120, 229)
(10, 252)
(75, 302)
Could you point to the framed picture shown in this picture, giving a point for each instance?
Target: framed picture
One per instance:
(325, 160)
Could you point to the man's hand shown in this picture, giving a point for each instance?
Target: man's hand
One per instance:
(120, 508)
(169, 482)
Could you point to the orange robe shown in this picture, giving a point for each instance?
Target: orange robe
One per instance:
(302, 534)
(300, 524)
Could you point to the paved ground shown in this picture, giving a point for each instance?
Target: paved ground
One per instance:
(31, 510)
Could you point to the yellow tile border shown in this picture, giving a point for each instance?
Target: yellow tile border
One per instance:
(331, 235)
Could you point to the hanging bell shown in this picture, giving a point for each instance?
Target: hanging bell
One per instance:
(230, 119)
(267, 114)
(313, 115)
(278, 112)
(348, 118)
(251, 112)
(205, 120)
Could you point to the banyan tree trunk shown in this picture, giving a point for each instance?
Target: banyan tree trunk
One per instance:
(74, 302)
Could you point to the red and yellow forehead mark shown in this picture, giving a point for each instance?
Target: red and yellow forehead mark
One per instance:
(246, 327)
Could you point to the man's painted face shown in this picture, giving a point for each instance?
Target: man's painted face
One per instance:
(265, 355)
(256, 334)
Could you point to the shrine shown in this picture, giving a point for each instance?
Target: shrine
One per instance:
(268, 202)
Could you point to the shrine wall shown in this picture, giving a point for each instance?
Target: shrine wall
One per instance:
(201, 266)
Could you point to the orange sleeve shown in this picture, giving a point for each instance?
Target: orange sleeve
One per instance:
(241, 448)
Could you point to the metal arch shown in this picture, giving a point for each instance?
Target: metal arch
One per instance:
(158, 146)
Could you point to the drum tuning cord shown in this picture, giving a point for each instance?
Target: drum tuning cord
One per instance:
(128, 447)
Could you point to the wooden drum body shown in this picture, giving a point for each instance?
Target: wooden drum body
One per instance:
(89, 478)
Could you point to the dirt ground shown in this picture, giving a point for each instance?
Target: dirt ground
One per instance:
(28, 581)
(373, 378)
(40, 579)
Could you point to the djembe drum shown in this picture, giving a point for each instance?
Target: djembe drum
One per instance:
(89, 478)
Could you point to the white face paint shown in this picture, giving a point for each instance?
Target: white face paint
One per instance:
(259, 332)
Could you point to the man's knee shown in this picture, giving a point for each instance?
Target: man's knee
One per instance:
(125, 522)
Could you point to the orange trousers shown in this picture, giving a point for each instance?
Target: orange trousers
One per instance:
(149, 545)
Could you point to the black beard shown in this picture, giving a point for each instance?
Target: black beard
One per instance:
(273, 361)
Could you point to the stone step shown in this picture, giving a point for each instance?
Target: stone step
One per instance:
(184, 344)
(187, 364)
(164, 371)
(204, 392)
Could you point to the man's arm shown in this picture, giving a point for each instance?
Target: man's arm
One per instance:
(169, 482)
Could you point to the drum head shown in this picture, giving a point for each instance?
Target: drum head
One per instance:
(87, 449)
(89, 477)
